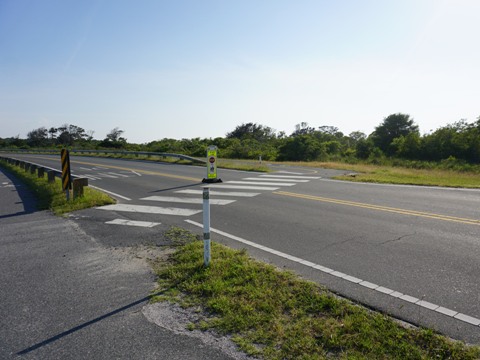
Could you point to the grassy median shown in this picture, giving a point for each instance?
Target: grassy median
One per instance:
(400, 175)
(51, 196)
(273, 314)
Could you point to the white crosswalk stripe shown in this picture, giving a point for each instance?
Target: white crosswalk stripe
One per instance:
(242, 187)
(108, 176)
(90, 177)
(292, 177)
(132, 223)
(276, 179)
(187, 200)
(289, 172)
(150, 209)
(218, 193)
(256, 183)
(118, 175)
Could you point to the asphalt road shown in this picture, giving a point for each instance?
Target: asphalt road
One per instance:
(64, 295)
(410, 251)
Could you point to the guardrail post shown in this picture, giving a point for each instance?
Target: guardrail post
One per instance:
(206, 227)
(33, 169)
(27, 167)
(41, 172)
(78, 185)
(51, 176)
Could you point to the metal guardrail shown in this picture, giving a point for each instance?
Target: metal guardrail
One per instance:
(113, 152)
(78, 182)
(23, 164)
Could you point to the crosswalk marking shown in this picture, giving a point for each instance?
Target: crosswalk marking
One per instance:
(117, 174)
(292, 177)
(108, 176)
(89, 177)
(289, 172)
(256, 183)
(150, 209)
(132, 223)
(276, 179)
(219, 193)
(187, 200)
(242, 187)
(249, 185)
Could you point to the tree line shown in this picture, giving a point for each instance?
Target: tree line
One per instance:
(396, 137)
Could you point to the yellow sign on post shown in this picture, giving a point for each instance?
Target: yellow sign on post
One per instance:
(212, 176)
(66, 174)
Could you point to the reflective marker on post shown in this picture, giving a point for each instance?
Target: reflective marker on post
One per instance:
(66, 175)
(206, 227)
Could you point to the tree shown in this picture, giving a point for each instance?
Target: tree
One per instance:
(356, 136)
(364, 148)
(115, 134)
(407, 146)
(330, 130)
(69, 134)
(53, 134)
(252, 131)
(392, 127)
(301, 148)
(114, 139)
(303, 129)
(37, 137)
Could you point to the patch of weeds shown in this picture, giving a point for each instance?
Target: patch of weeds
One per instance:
(274, 314)
(178, 236)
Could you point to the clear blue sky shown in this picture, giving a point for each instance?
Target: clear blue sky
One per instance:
(185, 69)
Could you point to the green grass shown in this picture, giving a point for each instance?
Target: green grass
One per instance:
(400, 175)
(245, 165)
(274, 314)
(51, 196)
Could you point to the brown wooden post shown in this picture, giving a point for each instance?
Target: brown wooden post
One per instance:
(51, 176)
(78, 185)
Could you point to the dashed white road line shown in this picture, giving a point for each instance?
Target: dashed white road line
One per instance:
(150, 209)
(132, 223)
(219, 193)
(187, 200)
(374, 287)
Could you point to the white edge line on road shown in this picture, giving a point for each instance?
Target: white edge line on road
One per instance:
(110, 192)
(395, 294)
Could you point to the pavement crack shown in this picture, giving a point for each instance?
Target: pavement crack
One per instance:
(398, 238)
(341, 242)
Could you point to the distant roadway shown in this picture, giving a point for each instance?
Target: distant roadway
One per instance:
(413, 252)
